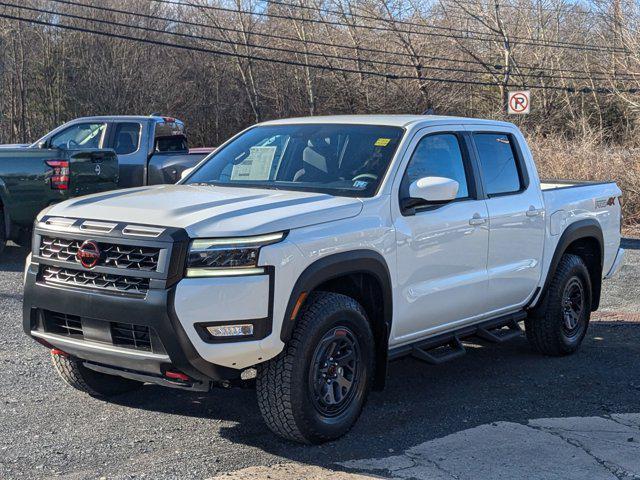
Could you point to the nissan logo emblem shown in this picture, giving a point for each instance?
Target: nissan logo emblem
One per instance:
(88, 254)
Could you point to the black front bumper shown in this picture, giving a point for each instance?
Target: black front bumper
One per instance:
(155, 310)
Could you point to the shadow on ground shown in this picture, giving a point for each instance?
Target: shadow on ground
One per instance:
(12, 258)
(492, 383)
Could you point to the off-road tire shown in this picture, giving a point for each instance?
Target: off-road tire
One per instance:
(89, 381)
(284, 383)
(544, 326)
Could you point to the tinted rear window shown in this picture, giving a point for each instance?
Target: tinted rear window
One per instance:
(127, 138)
(498, 162)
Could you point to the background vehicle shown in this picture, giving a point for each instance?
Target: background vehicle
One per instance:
(151, 149)
(148, 150)
(32, 179)
(314, 250)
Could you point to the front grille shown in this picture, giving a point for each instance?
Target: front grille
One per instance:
(118, 334)
(131, 336)
(128, 257)
(94, 280)
(63, 324)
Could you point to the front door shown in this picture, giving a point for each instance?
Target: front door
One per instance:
(441, 249)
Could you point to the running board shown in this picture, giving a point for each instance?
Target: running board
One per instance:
(448, 346)
(443, 353)
(500, 334)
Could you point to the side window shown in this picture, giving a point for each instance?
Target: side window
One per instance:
(498, 163)
(82, 135)
(127, 138)
(437, 155)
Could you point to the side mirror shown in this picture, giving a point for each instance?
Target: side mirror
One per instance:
(43, 144)
(433, 190)
(185, 173)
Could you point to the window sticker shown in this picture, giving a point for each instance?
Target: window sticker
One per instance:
(361, 184)
(257, 166)
(382, 142)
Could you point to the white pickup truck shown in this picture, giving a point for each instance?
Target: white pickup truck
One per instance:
(309, 252)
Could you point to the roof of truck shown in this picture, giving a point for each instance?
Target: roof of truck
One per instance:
(107, 118)
(390, 120)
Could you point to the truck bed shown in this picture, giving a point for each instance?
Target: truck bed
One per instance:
(567, 201)
(555, 184)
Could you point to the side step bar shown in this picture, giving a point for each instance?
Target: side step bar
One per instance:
(500, 334)
(439, 355)
(448, 346)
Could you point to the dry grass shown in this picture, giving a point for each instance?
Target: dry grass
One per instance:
(586, 159)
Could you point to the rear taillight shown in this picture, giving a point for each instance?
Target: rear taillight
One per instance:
(60, 174)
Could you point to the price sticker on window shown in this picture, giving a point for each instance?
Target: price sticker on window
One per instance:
(382, 142)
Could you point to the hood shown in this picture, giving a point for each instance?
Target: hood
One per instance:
(211, 211)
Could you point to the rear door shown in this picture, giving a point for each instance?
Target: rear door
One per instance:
(516, 216)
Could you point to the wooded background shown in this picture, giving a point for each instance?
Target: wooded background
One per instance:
(223, 65)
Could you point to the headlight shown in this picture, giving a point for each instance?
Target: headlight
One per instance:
(216, 257)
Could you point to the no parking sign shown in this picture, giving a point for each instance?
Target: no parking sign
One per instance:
(519, 102)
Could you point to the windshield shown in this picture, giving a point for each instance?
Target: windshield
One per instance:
(343, 160)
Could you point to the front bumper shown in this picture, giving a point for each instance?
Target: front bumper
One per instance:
(172, 349)
(172, 311)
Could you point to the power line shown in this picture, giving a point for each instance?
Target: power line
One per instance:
(292, 62)
(286, 50)
(229, 42)
(495, 66)
(404, 22)
(488, 37)
(570, 10)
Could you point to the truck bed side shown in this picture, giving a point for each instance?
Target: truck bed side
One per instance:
(568, 202)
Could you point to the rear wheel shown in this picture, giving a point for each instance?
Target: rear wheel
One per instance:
(559, 327)
(315, 389)
(89, 381)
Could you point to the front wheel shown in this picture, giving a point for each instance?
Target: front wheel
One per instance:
(315, 389)
(559, 327)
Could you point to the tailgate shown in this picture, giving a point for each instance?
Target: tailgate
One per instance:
(92, 171)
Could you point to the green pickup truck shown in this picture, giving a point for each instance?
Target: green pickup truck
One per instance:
(33, 177)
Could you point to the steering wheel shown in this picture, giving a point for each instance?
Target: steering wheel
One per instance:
(363, 176)
(71, 143)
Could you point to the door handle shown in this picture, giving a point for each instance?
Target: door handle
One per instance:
(477, 220)
(533, 212)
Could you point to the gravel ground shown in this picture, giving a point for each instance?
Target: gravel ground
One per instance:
(48, 429)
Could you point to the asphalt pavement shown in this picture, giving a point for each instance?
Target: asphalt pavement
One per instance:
(498, 412)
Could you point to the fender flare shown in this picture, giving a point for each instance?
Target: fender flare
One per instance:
(585, 228)
(345, 263)
(337, 265)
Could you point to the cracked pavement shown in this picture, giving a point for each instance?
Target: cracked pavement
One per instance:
(501, 411)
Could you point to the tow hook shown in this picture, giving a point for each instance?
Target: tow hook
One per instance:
(177, 377)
